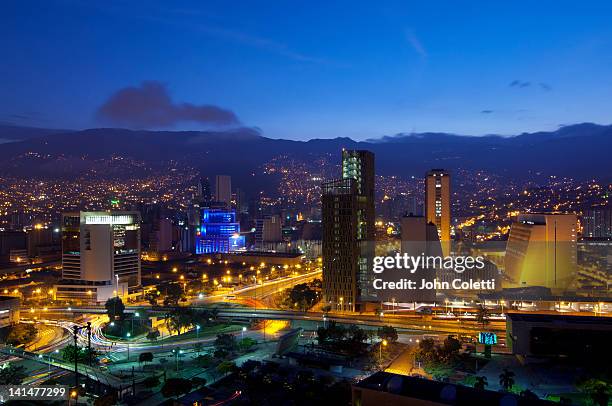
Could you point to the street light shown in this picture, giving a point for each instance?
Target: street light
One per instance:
(128, 335)
(243, 330)
(136, 314)
(383, 343)
(176, 353)
(197, 332)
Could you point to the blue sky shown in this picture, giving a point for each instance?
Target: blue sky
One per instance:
(304, 70)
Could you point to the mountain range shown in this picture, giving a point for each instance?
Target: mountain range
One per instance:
(581, 151)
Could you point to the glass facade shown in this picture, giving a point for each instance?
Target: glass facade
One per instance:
(219, 232)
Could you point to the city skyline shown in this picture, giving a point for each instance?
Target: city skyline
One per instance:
(397, 68)
(328, 203)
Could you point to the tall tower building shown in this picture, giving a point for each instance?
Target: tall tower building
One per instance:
(100, 255)
(542, 251)
(359, 165)
(223, 189)
(597, 222)
(340, 245)
(204, 193)
(437, 203)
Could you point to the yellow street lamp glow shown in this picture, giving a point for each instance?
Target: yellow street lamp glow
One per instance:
(384, 343)
(174, 269)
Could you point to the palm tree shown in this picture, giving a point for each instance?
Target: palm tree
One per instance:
(506, 379)
(481, 383)
(482, 316)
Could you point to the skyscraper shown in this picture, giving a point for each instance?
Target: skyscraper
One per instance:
(204, 194)
(339, 207)
(223, 189)
(359, 165)
(597, 223)
(437, 203)
(542, 251)
(100, 255)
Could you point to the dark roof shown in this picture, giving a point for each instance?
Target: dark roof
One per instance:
(445, 393)
(560, 317)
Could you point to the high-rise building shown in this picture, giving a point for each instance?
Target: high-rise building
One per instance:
(100, 255)
(597, 223)
(420, 238)
(223, 189)
(218, 231)
(542, 251)
(204, 193)
(437, 203)
(359, 165)
(340, 246)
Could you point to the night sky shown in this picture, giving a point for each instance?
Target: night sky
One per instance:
(307, 69)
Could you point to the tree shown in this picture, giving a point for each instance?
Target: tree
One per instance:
(151, 297)
(388, 333)
(69, 353)
(179, 319)
(326, 309)
(599, 391)
(205, 360)
(145, 357)
(226, 342)
(153, 335)
(482, 315)
(115, 309)
(247, 343)
(175, 387)
(506, 379)
(481, 382)
(449, 349)
(174, 293)
(226, 367)
(11, 374)
(21, 334)
(302, 296)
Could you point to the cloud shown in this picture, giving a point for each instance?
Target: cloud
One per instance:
(486, 111)
(150, 106)
(523, 84)
(546, 87)
(519, 83)
(416, 44)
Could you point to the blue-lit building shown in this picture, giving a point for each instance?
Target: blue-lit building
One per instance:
(218, 232)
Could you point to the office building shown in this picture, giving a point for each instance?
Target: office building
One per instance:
(359, 165)
(268, 230)
(340, 246)
(100, 255)
(419, 238)
(219, 232)
(12, 241)
(39, 238)
(9, 311)
(223, 189)
(580, 338)
(384, 388)
(541, 251)
(204, 192)
(437, 203)
(597, 223)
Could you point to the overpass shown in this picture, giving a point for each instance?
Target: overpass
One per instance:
(405, 321)
(92, 373)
